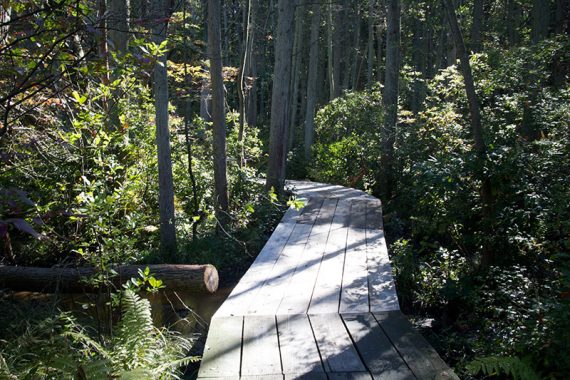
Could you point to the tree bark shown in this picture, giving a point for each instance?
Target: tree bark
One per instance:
(390, 99)
(380, 45)
(370, 58)
(117, 24)
(188, 278)
(476, 126)
(296, 73)
(312, 80)
(165, 181)
(330, 66)
(477, 25)
(278, 133)
(218, 112)
(540, 20)
(514, 15)
(337, 50)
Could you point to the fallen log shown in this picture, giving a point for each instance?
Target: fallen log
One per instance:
(187, 278)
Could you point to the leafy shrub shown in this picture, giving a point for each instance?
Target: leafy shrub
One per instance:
(347, 142)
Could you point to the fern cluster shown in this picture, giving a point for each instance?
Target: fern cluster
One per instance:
(62, 348)
(514, 367)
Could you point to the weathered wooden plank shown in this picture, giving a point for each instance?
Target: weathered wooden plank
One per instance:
(354, 293)
(260, 355)
(374, 219)
(300, 288)
(310, 211)
(358, 214)
(220, 378)
(265, 377)
(326, 295)
(418, 354)
(299, 353)
(342, 214)
(337, 352)
(350, 376)
(222, 351)
(243, 294)
(382, 288)
(306, 376)
(375, 349)
(275, 286)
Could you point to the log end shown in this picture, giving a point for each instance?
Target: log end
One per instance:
(211, 278)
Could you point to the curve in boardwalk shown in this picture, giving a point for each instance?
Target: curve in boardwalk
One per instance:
(319, 301)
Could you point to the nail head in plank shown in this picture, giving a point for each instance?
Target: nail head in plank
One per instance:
(299, 353)
(223, 348)
(418, 354)
(375, 349)
(260, 347)
(336, 348)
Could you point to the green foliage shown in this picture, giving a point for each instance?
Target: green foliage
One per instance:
(516, 368)
(59, 347)
(347, 142)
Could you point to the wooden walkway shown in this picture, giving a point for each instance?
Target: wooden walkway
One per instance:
(320, 302)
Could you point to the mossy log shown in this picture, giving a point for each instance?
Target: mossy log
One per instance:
(187, 278)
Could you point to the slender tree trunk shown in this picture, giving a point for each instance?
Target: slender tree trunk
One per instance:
(391, 90)
(476, 126)
(562, 17)
(337, 50)
(117, 24)
(102, 46)
(330, 70)
(218, 112)
(356, 46)
(380, 27)
(312, 80)
(245, 69)
(540, 20)
(297, 60)
(280, 99)
(514, 14)
(370, 58)
(477, 25)
(165, 181)
(418, 61)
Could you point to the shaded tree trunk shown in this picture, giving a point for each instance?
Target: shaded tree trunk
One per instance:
(218, 112)
(370, 58)
(476, 126)
(337, 50)
(390, 99)
(165, 181)
(312, 80)
(117, 23)
(296, 73)
(330, 65)
(540, 20)
(477, 26)
(380, 27)
(514, 15)
(280, 99)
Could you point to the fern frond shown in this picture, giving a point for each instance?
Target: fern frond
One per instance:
(513, 367)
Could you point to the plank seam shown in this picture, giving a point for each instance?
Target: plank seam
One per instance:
(344, 261)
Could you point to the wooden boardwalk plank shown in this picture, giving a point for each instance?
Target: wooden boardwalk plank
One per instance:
(382, 288)
(222, 351)
(310, 211)
(358, 214)
(350, 376)
(354, 294)
(306, 376)
(299, 353)
(260, 354)
(271, 292)
(375, 349)
(374, 215)
(337, 352)
(418, 354)
(302, 283)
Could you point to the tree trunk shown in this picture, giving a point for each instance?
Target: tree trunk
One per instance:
(540, 20)
(188, 278)
(312, 80)
(165, 181)
(562, 16)
(296, 73)
(218, 112)
(514, 15)
(244, 71)
(418, 61)
(280, 98)
(477, 25)
(391, 90)
(330, 70)
(356, 46)
(476, 127)
(117, 24)
(337, 50)
(380, 45)
(370, 58)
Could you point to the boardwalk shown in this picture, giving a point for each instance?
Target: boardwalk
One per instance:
(319, 302)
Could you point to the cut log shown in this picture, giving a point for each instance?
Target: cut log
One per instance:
(188, 278)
